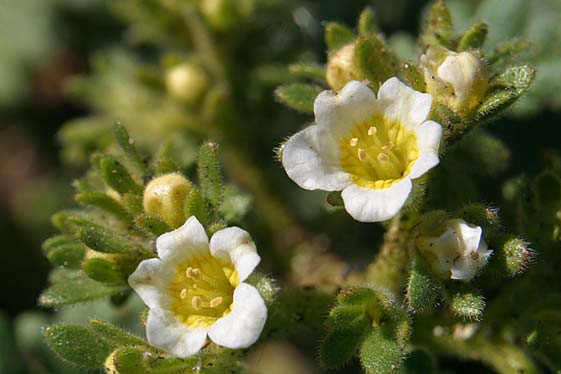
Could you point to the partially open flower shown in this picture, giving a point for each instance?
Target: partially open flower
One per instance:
(369, 148)
(459, 253)
(458, 80)
(195, 289)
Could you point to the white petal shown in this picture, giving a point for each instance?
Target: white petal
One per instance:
(469, 235)
(369, 205)
(311, 159)
(188, 239)
(163, 330)
(341, 111)
(424, 163)
(235, 245)
(242, 327)
(146, 282)
(428, 141)
(404, 104)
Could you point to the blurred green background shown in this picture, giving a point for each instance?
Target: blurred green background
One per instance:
(43, 43)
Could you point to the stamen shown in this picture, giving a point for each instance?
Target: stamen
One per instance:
(192, 273)
(183, 293)
(361, 154)
(372, 130)
(215, 302)
(353, 142)
(382, 157)
(388, 146)
(196, 302)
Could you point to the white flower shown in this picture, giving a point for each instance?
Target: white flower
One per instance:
(195, 289)
(459, 253)
(458, 80)
(369, 148)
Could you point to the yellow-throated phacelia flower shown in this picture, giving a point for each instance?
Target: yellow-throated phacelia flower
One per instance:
(458, 80)
(368, 147)
(195, 289)
(459, 253)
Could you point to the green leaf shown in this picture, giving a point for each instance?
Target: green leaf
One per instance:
(466, 302)
(72, 287)
(480, 215)
(311, 71)
(414, 75)
(68, 255)
(117, 177)
(103, 270)
(78, 345)
(367, 24)
(265, 285)
(474, 37)
(512, 255)
(195, 206)
(379, 354)
(438, 26)
(374, 60)
(210, 175)
(421, 294)
(506, 51)
(116, 335)
(151, 224)
(298, 96)
(104, 240)
(104, 202)
(349, 327)
(495, 103)
(518, 77)
(166, 165)
(338, 36)
(127, 145)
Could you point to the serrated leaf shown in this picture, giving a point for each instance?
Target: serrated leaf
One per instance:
(127, 145)
(311, 71)
(374, 60)
(73, 287)
(380, 354)
(78, 345)
(367, 22)
(298, 96)
(117, 176)
(474, 37)
(337, 36)
(104, 202)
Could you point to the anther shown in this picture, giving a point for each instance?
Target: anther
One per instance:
(183, 294)
(192, 272)
(215, 302)
(372, 130)
(196, 302)
(382, 157)
(361, 154)
(389, 145)
(353, 142)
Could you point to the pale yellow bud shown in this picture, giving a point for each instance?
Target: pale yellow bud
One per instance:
(341, 68)
(186, 82)
(165, 196)
(457, 80)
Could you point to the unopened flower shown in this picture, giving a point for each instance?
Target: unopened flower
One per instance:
(195, 289)
(165, 196)
(341, 67)
(186, 82)
(458, 80)
(459, 253)
(369, 148)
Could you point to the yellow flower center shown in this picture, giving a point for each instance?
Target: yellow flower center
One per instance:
(378, 152)
(202, 290)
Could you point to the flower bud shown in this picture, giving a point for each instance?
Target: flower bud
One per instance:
(457, 80)
(165, 197)
(108, 268)
(220, 14)
(186, 82)
(341, 67)
(458, 253)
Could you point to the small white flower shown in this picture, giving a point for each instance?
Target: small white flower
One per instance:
(458, 80)
(369, 148)
(459, 253)
(194, 290)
